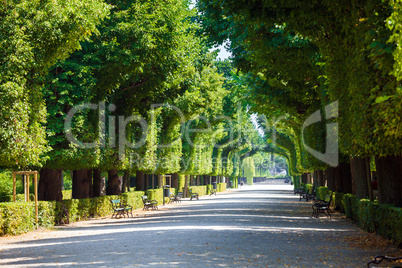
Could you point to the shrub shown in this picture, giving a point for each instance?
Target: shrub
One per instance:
(322, 192)
(385, 220)
(67, 194)
(221, 187)
(201, 190)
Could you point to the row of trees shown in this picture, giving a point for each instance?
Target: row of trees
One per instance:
(323, 75)
(115, 86)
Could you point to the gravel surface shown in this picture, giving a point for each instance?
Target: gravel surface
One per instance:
(264, 225)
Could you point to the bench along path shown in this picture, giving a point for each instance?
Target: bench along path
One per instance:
(261, 226)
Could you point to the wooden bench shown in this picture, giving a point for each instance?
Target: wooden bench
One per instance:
(120, 209)
(380, 258)
(193, 195)
(153, 204)
(322, 206)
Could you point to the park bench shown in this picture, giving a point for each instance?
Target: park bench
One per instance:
(309, 195)
(120, 209)
(192, 195)
(176, 198)
(322, 206)
(379, 259)
(153, 204)
(213, 191)
(297, 191)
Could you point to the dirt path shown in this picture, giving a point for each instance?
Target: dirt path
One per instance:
(256, 226)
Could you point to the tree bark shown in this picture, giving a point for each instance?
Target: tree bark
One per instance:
(91, 185)
(97, 183)
(146, 182)
(389, 171)
(81, 184)
(49, 188)
(139, 181)
(368, 178)
(126, 182)
(345, 178)
(186, 182)
(317, 178)
(331, 174)
(175, 181)
(304, 178)
(160, 181)
(113, 183)
(359, 177)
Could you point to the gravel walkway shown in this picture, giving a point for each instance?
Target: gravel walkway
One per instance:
(256, 226)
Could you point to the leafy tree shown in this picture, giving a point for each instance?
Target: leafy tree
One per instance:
(34, 35)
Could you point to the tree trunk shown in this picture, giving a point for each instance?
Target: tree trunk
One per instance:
(62, 180)
(304, 178)
(113, 183)
(126, 182)
(368, 178)
(331, 174)
(186, 181)
(49, 188)
(139, 181)
(97, 183)
(345, 178)
(359, 177)
(389, 172)
(81, 184)
(91, 185)
(146, 181)
(175, 181)
(160, 181)
(317, 177)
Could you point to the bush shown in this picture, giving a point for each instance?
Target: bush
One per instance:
(221, 187)
(17, 218)
(385, 220)
(201, 190)
(67, 194)
(322, 192)
(6, 186)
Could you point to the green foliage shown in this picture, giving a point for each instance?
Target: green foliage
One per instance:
(6, 186)
(33, 35)
(16, 217)
(248, 167)
(19, 217)
(156, 194)
(385, 220)
(221, 187)
(322, 192)
(201, 190)
(67, 194)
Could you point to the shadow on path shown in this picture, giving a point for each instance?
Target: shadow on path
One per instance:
(261, 225)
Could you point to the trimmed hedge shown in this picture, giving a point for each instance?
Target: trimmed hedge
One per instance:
(19, 197)
(19, 217)
(385, 220)
(221, 187)
(201, 190)
(67, 194)
(322, 192)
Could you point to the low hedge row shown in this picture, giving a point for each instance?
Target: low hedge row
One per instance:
(19, 217)
(201, 190)
(385, 220)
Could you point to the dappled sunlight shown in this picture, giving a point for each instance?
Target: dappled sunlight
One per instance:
(234, 229)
